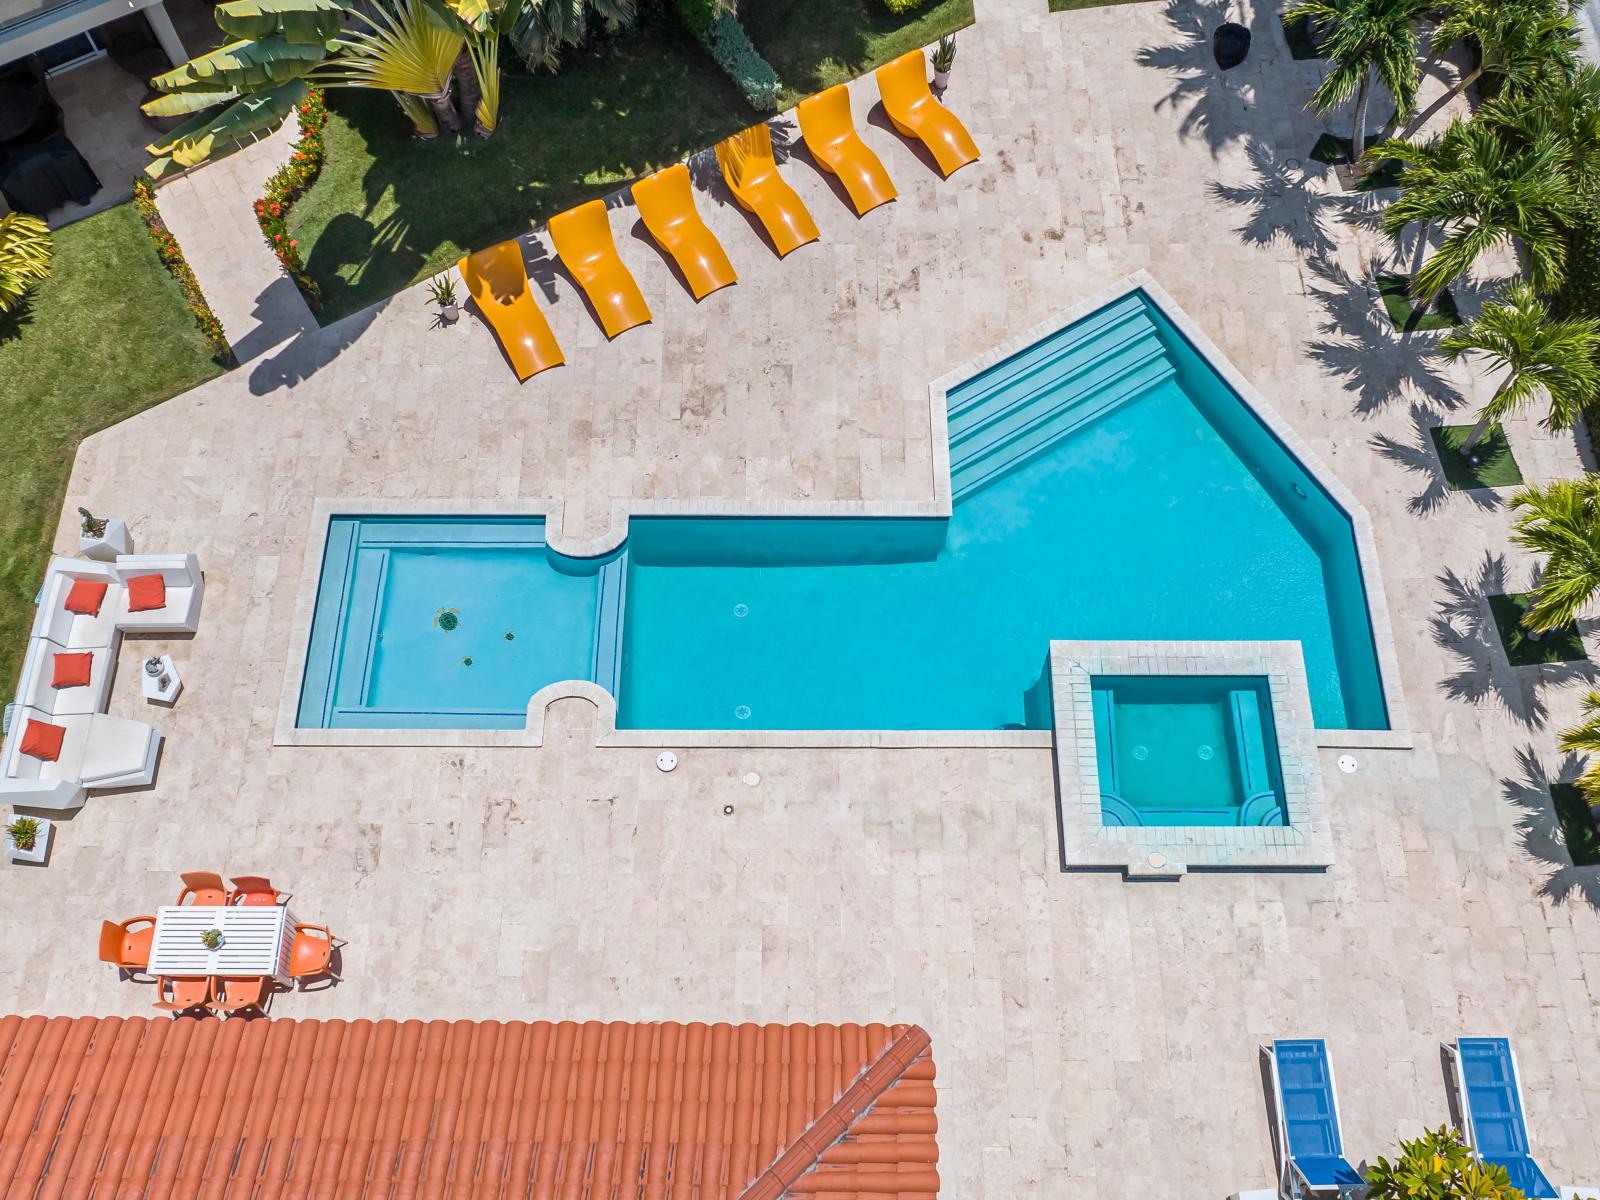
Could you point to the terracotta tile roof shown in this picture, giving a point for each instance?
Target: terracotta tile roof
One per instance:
(95, 1106)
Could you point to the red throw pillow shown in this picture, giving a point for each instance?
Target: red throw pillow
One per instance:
(146, 592)
(43, 740)
(72, 670)
(86, 596)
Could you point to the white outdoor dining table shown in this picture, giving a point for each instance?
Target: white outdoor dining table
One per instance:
(255, 940)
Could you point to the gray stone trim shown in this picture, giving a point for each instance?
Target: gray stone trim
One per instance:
(1154, 851)
(939, 506)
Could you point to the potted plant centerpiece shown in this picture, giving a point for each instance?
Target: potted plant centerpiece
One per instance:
(442, 291)
(944, 57)
(212, 939)
(102, 537)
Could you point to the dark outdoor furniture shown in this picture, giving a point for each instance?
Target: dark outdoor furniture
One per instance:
(44, 176)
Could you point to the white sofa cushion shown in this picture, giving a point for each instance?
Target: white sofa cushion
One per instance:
(38, 670)
(184, 583)
(96, 751)
(78, 630)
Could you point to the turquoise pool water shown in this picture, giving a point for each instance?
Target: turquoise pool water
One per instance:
(1187, 750)
(1108, 484)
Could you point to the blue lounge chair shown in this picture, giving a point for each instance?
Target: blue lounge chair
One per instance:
(1491, 1109)
(1310, 1151)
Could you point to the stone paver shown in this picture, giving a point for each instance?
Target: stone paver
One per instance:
(211, 213)
(1093, 1037)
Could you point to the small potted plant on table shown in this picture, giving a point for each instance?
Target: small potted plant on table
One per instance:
(28, 839)
(102, 537)
(212, 939)
(442, 291)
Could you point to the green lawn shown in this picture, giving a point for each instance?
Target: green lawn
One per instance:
(815, 44)
(1395, 292)
(389, 209)
(106, 336)
(1577, 823)
(1559, 645)
(1495, 467)
(1067, 5)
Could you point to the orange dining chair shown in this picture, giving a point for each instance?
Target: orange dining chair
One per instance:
(188, 992)
(125, 947)
(256, 891)
(235, 994)
(311, 952)
(202, 887)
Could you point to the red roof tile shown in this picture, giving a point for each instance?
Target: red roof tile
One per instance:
(93, 1106)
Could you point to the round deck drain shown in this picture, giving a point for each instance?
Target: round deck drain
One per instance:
(1348, 764)
(751, 778)
(741, 610)
(742, 712)
(727, 810)
(666, 760)
(1206, 753)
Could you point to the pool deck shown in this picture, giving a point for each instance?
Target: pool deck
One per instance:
(1080, 1020)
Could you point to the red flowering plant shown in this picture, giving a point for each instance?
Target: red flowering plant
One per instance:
(287, 185)
(171, 256)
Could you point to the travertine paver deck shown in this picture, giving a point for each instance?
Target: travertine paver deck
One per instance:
(1095, 1037)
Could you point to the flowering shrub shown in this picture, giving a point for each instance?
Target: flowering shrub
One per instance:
(287, 185)
(171, 256)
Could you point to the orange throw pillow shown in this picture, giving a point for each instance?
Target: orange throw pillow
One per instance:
(72, 670)
(146, 592)
(43, 740)
(86, 596)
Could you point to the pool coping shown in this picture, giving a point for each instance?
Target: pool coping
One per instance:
(1169, 851)
(286, 733)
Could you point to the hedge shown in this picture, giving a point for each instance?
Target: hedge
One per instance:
(1579, 294)
(286, 186)
(731, 47)
(171, 255)
(903, 6)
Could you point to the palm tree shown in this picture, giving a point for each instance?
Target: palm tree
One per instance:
(1426, 195)
(24, 256)
(1562, 521)
(406, 50)
(1584, 738)
(1365, 36)
(544, 27)
(1518, 40)
(1540, 355)
(1494, 191)
(1562, 106)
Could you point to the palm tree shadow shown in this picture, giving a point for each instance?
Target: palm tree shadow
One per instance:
(1419, 455)
(1539, 829)
(1360, 344)
(1210, 109)
(1279, 203)
(1464, 628)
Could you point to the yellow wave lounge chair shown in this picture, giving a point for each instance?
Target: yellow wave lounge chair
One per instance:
(752, 175)
(903, 84)
(831, 137)
(666, 205)
(498, 282)
(582, 238)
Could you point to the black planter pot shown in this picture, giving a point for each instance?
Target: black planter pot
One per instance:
(1230, 45)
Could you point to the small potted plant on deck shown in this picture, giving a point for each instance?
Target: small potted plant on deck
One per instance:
(28, 838)
(442, 291)
(102, 537)
(943, 57)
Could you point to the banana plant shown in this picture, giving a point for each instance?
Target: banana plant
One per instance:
(247, 86)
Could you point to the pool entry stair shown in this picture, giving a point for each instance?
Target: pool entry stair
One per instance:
(1019, 408)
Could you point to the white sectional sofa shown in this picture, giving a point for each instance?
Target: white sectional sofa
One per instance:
(97, 751)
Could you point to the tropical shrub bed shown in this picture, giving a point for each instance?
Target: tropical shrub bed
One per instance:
(903, 6)
(171, 255)
(717, 26)
(287, 185)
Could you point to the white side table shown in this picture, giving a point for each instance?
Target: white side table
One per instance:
(41, 844)
(151, 684)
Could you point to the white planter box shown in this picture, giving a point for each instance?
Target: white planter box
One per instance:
(41, 844)
(116, 541)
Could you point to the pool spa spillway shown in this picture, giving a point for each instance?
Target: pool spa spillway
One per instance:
(1186, 750)
(1106, 483)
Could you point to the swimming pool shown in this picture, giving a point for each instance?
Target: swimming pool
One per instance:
(1106, 483)
(1186, 750)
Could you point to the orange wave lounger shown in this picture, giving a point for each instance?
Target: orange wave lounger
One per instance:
(831, 136)
(903, 84)
(666, 206)
(499, 283)
(582, 238)
(752, 175)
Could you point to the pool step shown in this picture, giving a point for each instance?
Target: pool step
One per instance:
(612, 590)
(1024, 405)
